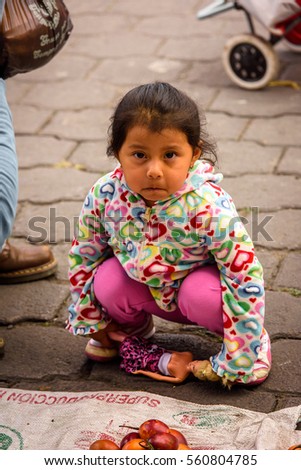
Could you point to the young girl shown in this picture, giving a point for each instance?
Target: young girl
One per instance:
(159, 236)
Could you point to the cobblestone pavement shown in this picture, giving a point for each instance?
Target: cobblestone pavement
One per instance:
(61, 114)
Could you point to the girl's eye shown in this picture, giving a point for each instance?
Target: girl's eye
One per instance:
(170, 155)
(139, 155)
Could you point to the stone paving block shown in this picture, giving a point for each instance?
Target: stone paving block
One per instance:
(88, 124)
(286, 55)
(94, 6)
(15, 90)
(53, 223)
(61, 253)
(40, 352)
(191, 49)
(145, 8)
(41, 150)
(170, 24)
(137, 70)
(289, 275)
(92, 155)
(282, 317)
(123, 44)
(285, 374)
(275, 131)
(200, 93)
(51, 184)
(36, 301)
(62, 67)
(270, 261)
(292, 71)
(70, 94)
(92, 23)
(238, 158)
(265, 191)
(288, 402)
(34, 121)
(239, 102)
(211, 74)
(63, 313)
(270, 229)
(291, 162)
(221, 126)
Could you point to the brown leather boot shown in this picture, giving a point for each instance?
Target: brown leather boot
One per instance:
(25, 263)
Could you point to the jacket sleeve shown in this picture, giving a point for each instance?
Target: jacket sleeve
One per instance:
(89, 249)
(242, 286)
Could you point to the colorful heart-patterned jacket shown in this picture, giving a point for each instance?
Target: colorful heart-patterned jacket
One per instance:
(162, 244)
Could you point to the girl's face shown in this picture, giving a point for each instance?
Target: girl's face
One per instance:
(155, 165)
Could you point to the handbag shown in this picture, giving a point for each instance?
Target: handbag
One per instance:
(32, 32)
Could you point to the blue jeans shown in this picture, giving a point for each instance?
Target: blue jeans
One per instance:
(1, 8)
(8, 165)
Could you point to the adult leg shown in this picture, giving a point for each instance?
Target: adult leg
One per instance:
(8, 169)
(2, 3)
(29, 262)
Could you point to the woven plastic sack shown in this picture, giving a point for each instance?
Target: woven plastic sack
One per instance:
(32, 32)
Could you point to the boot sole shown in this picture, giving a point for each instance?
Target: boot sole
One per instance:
(30, 274)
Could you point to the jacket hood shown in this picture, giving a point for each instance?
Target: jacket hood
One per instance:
(201, 173)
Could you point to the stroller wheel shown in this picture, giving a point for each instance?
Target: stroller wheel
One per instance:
(250, 61)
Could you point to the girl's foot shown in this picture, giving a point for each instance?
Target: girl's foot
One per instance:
(96, 351)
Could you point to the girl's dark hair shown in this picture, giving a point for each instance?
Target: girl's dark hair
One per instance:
(159, 106)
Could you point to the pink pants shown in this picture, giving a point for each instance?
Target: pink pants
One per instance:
(130, 302)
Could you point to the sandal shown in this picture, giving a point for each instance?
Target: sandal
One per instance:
(97, 352)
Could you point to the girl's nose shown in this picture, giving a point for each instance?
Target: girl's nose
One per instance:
(154, 170)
